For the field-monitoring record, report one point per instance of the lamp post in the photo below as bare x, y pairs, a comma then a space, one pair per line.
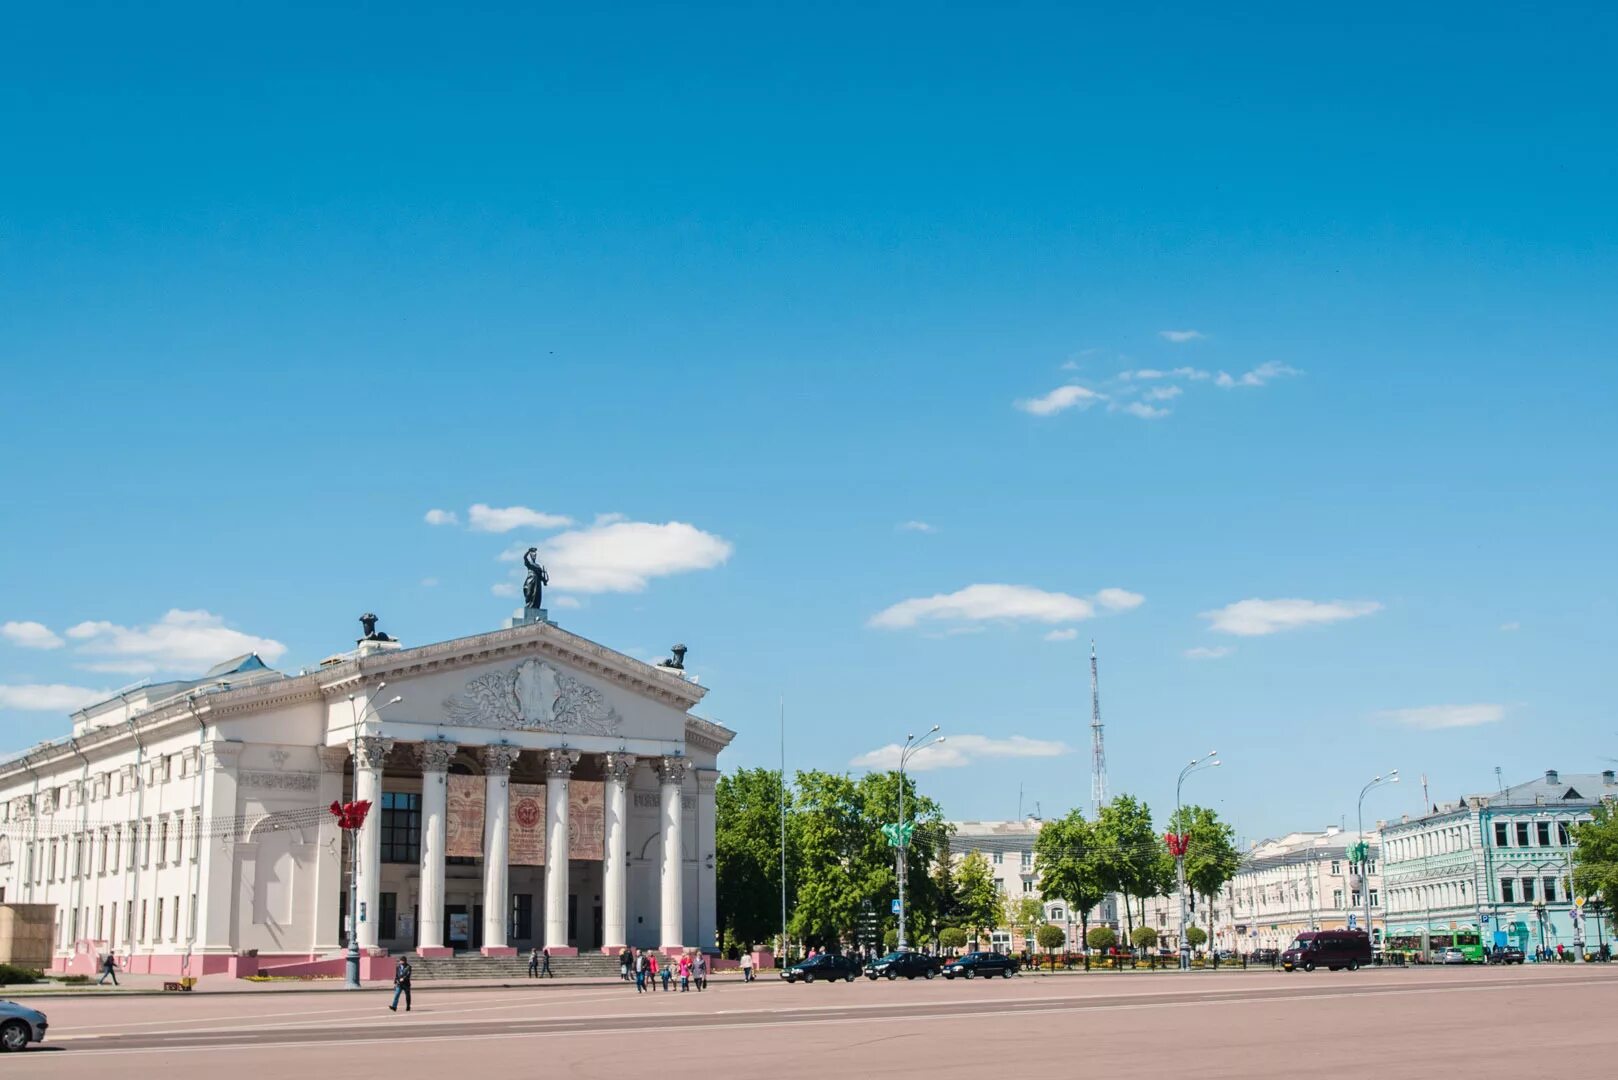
1364, 849
1539, 912
1210, 760
351, 974
911, 745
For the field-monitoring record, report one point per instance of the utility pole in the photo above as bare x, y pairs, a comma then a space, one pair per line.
1098, 749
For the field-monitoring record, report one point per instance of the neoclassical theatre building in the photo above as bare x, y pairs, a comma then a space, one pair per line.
529, 787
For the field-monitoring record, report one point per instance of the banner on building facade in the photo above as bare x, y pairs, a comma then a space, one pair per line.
586, 820
525, 840
463, 818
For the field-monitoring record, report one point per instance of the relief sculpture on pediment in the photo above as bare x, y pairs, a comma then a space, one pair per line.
534, 696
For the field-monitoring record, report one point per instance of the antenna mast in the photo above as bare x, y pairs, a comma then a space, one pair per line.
1098, 750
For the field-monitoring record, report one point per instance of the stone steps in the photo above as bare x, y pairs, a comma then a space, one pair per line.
475, 966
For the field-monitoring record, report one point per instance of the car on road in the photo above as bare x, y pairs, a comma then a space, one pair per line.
902, 965
1507, 954
1330, 949
825, 967
980, 965
20, 1025
1452, 956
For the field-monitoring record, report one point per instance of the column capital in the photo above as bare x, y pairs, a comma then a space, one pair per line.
370, 751
333, 758
671, 770
559, 763
499, 757
435, 756
618, 766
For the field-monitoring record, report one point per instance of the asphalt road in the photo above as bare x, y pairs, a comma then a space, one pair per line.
1480, 1022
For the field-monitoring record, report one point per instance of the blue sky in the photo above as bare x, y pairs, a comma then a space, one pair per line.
275, 284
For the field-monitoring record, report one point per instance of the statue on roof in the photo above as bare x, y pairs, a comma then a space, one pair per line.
533, 588
368, 624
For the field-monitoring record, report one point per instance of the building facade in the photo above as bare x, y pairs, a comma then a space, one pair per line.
1009, 848
1301, 881
1494, 868
528, 787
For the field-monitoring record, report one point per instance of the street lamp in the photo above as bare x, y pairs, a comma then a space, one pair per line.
1365, 850
1210, 760
351, 976
1539, 910
911, 745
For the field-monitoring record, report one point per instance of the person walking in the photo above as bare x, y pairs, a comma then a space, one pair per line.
401, 984
625, 960
747, 967
685, 972
640, 973
109, 969
651, 968
666, 970
533, 962
699, 971
545, 964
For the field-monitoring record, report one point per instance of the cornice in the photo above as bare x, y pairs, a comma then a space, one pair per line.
707, 735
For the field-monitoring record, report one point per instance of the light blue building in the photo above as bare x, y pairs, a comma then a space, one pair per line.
1493, 869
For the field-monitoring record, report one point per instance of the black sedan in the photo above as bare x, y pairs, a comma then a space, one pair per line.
902, 965
825, 967
1506, 954
980, 965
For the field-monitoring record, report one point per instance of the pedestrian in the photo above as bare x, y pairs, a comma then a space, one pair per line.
641, 965
625, 961
401, 984
651, 969
699, 970
533, 962
685, 972
666, 970
545, 964
747, 967
109, 969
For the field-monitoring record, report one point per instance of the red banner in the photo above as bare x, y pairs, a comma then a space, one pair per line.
463, 825
525, 836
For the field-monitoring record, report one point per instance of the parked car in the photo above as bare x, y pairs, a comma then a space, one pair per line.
825, 966
1330, 949
984, 964
1452, 956
1507, 954
906, 965
20, 1025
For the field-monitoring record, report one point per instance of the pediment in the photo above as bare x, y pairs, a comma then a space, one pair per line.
533, 695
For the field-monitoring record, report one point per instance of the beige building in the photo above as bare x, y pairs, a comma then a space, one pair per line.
1009, 848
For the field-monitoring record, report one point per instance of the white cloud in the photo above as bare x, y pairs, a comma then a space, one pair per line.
49, 697
30, 635
978, 603
1062, 635
1438, 717
1270, 369
502, 519
1060, 399
623, 556
917, 526
1180, 337
1148, 374
1205, 652
180, 640
956, 751
564, 602
1143, 410
1163, 393
1508, 627
1255, 618
429, 583
609, 519
441, 517
504, 588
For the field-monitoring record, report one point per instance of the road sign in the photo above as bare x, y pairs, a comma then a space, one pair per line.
1353, 922
896, 905
1487, 919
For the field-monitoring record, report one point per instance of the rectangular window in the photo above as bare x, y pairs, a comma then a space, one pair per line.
1027, 860
193, 919
387, 915
1562, 834
163, 842
1542, 833
101, 923
157, 922
101, 864
1027, 886
1336, 868
75, 924
1374, 901
179, 837
1508, 891
196, 835
1502, 834
174, 923
1355, 901
134, 842
1522, 834
129, 920
401, 827
1337, 898
1549, 885
1528, 890
998, 858
145, 847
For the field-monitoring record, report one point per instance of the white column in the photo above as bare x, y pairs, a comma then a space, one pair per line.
618, 768
558, 769
671, 771
216, 888
434, 758
369, 753
497, 761
704, 919
331, 869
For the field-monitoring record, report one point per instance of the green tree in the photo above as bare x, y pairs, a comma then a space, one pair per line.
1195, 936
1025, 913
747, 857
1050, 937
1595, 856
1211, 858
1128, 852
1102, 937
977, 902
952, 938
1144, 937
1068, 864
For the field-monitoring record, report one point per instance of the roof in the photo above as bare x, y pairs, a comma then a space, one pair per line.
1555, 787
244, 662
